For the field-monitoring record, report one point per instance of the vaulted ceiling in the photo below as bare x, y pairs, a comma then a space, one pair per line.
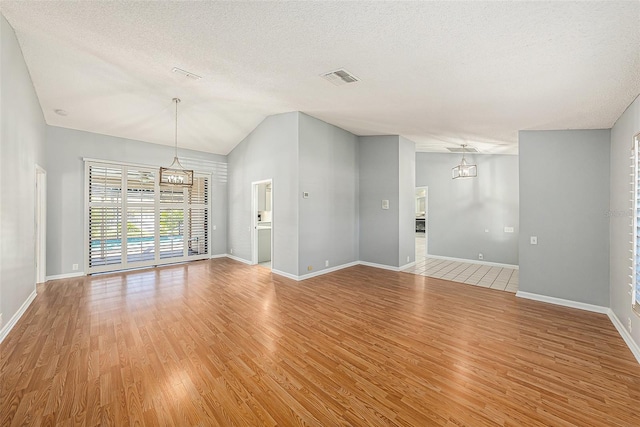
438, 73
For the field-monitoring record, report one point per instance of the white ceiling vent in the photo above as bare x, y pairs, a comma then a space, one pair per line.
186, 73
466, 149
340, 77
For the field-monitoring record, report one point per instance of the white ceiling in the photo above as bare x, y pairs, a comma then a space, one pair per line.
438, 73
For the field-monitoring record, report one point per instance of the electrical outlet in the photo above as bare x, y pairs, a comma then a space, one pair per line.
385, 204
309, 268
214, 228
534, 240
508, 230
480, 256
326, 263
74, 267
629, 324
231, 251
408, 258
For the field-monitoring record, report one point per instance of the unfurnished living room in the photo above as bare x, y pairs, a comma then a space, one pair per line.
320, 213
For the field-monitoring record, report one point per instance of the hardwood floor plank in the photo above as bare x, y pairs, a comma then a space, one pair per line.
222, 343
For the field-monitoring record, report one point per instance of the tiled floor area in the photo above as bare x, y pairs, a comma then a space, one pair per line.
505, 279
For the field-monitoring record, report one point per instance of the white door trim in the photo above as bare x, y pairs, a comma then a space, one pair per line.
254, 219
41, 224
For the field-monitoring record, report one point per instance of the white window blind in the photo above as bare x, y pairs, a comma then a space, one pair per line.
635, 224
133, 221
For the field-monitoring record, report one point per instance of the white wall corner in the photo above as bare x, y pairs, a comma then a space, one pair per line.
287, 275
628, 339
633, 346
11, 323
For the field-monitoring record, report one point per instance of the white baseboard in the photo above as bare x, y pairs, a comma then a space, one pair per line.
219, 256
404, 267
382, 266
563, 302
474, 261
287, 275
327, 270
12, 322
65, 275
628, 339
235, 258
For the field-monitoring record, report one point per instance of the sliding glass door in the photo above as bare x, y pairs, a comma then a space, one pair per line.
132, 221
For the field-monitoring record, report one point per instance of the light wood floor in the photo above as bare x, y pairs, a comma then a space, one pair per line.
221, 343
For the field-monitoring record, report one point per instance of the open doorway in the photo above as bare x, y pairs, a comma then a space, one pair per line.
422, 218
262, 220
41, 224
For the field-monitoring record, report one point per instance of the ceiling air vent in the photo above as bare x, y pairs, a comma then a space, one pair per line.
186, 73
340, 77
466, 150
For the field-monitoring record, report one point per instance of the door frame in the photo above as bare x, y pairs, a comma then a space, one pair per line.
254, 219
426, 215
40, 219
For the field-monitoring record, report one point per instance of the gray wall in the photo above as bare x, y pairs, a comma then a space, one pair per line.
406, 201
460, 210
380, 180
22, 140
65, 193
328, 171
564, 199
620, 217
270, 151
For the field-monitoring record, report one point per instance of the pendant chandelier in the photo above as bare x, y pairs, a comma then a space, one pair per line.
464, 170
176, 174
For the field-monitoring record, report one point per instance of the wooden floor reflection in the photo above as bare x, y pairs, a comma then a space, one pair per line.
222, 343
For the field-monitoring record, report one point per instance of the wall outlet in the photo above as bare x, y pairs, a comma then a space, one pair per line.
231, 251
629, 324
305, 194
480, 256
385, 204
534, 240
508, 230
408, 258
486, 230
214, 227
74, 267
326, 263
309, 268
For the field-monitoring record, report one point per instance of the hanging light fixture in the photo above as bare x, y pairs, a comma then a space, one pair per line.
464, 170
176, 174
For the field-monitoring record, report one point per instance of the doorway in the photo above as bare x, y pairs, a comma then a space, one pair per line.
262, 221
422, 225
41, 224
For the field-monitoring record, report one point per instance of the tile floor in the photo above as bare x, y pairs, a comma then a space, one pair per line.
504, 279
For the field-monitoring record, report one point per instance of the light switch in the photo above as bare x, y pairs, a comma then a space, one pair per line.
508, 229
534, 240
385, 204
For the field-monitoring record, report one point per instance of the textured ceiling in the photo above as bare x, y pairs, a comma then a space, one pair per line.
438, 73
